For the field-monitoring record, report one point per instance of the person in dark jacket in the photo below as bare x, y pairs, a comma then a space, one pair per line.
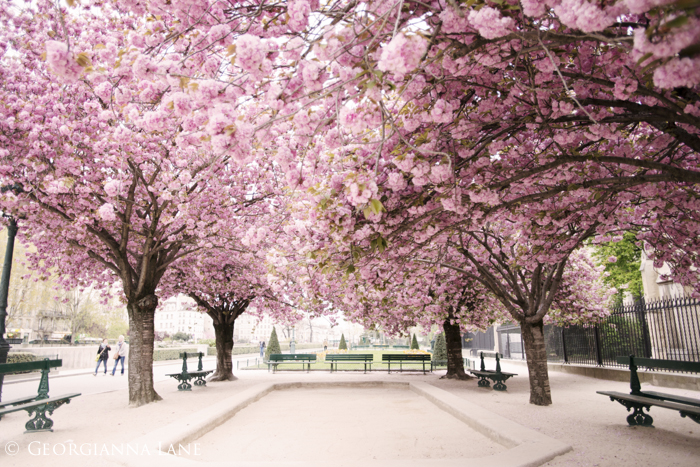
102, 356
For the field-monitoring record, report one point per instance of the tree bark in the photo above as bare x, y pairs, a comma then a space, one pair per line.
453, 339
224, 345
140, 363
536, 354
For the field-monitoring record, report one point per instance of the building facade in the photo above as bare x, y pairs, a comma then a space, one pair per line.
180, 314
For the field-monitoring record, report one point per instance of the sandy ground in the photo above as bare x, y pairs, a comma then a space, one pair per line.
592, 424
338, 423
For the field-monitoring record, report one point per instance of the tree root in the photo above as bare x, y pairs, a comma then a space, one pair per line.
462, 377
217, 377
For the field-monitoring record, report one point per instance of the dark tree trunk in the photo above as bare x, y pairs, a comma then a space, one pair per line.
453, 339
224, 345
536, 354
140, 363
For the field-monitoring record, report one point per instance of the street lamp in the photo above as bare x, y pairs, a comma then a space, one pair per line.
5, 280
292, 344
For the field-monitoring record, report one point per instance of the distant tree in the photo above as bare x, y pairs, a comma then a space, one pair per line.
181, 336
440, 352
621, 259
414, 343
273, 345
342, 345
160, 336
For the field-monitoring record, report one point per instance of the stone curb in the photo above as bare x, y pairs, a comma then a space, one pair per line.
525, 447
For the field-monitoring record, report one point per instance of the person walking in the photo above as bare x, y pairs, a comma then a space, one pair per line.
262, 348
102, 356
120, 354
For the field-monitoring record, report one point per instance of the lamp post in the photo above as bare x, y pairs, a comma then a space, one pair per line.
4, 289
5, 279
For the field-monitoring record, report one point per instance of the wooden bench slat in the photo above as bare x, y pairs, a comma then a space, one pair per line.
21, 400
17, 408
673, 397
489, 372
651, 401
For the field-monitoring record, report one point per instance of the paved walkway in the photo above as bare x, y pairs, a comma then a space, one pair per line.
592, 424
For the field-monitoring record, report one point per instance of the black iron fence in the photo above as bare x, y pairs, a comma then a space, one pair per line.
665, 329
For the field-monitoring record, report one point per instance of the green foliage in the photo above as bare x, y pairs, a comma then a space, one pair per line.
342, 345
169, 354
209, 342
116, 326
624, 274
181, 336
21, 357
440, 352
273, 345
414, 343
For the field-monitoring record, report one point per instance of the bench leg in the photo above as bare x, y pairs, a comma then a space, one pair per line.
40, 421
184, 384
637, 417
483, 382
200, 381
693, 417
500, 386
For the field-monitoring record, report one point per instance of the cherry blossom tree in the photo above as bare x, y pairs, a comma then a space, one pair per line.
109, 194
582, 100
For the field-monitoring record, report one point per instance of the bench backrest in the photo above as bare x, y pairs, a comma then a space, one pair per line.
278, 357
388, 357
45, 364
498, 360
184, 356
367, 357
634, 362
677, 365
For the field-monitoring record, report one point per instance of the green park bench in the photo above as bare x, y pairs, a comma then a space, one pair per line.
498, 377
380, 346
278, 358
638, 400
390, 358
365, 358
401, 346
185, 376
38, 404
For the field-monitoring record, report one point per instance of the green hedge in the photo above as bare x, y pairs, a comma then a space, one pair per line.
21, 357
170, 354
256, 349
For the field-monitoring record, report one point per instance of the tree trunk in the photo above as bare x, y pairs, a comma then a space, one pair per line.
536, 354
453, 339
140, 363
224, 345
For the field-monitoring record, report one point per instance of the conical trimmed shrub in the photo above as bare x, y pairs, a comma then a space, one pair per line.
440, 352
414, 343
342, 345
273, 345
